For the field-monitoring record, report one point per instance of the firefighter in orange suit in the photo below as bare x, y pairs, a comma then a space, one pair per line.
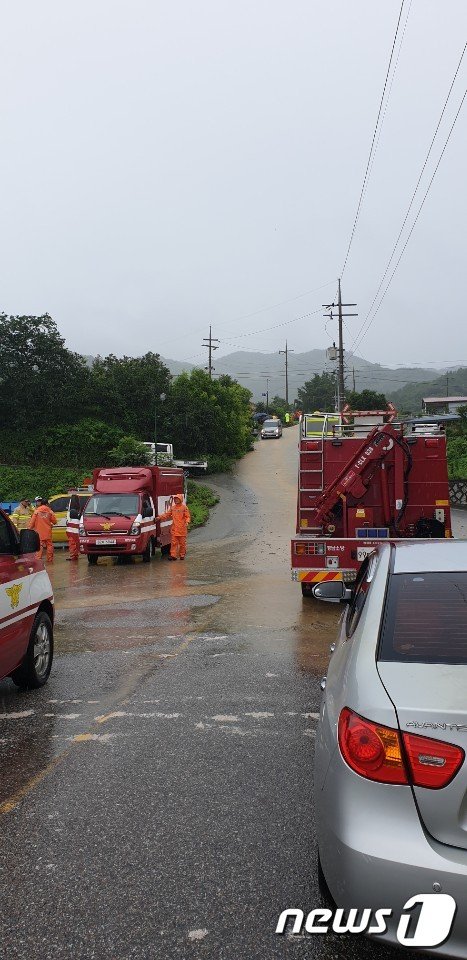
72, 525
180, 516
42, 520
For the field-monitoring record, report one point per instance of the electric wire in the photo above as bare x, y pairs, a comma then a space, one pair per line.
375, 298
363, 334
367, 170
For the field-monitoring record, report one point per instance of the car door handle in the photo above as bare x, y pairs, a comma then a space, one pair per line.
322, 683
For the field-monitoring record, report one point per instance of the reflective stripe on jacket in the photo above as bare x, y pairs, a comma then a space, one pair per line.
180, 516
21, 517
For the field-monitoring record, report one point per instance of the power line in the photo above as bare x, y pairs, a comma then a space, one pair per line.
413, 196
390, 88
366, 176
284, 323
365, 331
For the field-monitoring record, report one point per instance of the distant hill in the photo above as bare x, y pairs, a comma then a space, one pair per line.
252, 369
405, 386
409, 398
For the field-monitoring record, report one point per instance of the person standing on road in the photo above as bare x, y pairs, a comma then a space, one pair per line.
72, 525
42, 520
22, 514
180, 516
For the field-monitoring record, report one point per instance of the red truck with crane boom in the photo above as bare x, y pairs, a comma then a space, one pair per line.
363, 478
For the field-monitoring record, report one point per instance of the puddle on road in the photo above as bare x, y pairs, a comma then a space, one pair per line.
235, 580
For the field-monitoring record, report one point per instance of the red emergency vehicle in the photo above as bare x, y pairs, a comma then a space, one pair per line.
120, 516
363, 478
26, 608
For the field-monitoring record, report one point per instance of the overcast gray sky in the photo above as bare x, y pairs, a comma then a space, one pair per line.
167, 165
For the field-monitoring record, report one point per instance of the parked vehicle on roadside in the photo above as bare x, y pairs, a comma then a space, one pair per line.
120, 516
59, 504
390, 758
26, 608
271, 429
164, 456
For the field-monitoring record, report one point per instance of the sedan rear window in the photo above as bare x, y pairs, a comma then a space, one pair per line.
426, 618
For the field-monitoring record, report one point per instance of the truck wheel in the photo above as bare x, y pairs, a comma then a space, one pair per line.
306, 590
147, 553
37, 664
92, 559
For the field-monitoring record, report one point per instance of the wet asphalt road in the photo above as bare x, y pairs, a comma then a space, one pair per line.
156, 797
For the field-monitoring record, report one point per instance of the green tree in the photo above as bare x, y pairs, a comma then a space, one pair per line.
204, 416
129, 453
41, 381
366, 400
318, 393
125, 389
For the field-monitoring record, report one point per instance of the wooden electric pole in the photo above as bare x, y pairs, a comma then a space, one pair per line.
340, 358
286, 352
209, 343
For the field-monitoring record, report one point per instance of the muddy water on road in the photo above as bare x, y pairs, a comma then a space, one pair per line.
235, 580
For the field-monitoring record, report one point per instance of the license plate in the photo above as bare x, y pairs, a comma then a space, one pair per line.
363, 552
106, 543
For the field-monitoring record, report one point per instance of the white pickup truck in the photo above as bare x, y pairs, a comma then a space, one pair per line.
163, 453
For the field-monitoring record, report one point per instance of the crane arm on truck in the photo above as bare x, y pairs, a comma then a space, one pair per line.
351, 479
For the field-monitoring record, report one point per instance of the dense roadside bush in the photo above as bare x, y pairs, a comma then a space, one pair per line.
16, 482
65, 445
200, 500
457, 458
220, 464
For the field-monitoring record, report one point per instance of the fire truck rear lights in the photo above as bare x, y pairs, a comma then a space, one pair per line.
310, 549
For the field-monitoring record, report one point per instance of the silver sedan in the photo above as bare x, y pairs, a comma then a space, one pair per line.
390, 769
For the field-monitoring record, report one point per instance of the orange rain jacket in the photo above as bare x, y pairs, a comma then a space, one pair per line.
180, 516
42, 520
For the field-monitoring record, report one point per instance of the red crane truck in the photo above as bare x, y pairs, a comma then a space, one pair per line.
363, 481
120, 516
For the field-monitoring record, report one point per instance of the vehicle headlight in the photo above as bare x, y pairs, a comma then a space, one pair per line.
136, 530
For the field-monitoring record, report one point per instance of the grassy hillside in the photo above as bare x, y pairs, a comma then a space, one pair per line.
409, 398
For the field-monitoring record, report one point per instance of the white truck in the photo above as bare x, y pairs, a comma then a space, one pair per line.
163, 454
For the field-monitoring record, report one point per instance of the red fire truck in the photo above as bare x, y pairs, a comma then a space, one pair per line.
120, 515
362, 478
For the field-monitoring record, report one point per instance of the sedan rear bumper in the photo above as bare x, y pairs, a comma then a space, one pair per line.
376, 854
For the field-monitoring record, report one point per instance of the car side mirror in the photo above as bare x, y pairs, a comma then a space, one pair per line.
333, 591
29, 541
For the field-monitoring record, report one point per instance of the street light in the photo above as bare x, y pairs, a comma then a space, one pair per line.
162, 397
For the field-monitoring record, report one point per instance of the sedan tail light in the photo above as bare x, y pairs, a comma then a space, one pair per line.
432, 763
379, 753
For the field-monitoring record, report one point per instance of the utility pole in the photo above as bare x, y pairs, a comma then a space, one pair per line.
340, 358
286, 352
353, 378
447, 383
266, 394
209, 343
